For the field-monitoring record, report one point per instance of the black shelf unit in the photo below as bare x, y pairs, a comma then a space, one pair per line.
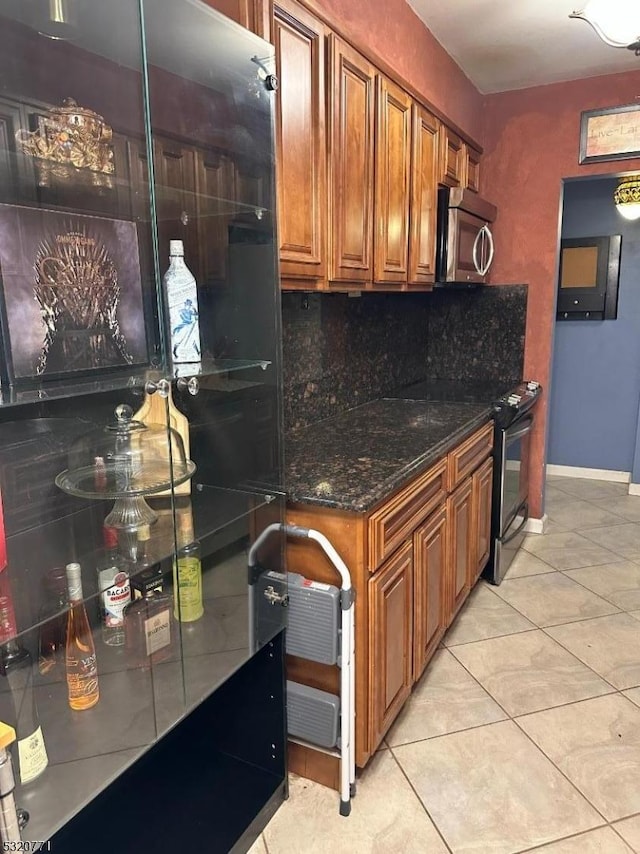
211, 784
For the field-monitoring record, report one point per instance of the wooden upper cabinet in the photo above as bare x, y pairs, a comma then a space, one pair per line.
392, 183
300, 43
472, 169
424, 197
390, 640
429, 590
252, 14
351, 163
452, 158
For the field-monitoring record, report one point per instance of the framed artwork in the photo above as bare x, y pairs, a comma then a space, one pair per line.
588, 278
72, 300
610, 134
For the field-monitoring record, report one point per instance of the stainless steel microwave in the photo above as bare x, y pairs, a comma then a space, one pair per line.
465, 247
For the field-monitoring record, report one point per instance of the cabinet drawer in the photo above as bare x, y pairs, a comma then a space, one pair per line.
396, 520
469, 455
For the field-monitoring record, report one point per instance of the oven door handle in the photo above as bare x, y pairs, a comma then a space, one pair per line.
522, 431
515, 533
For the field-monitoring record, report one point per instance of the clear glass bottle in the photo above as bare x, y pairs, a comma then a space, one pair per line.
114, 589
187, 569
182, 301
150, 632
53, 624
17, 699
80, 657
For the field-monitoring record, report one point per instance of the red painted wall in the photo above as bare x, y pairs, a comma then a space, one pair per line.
531, 140
392, 30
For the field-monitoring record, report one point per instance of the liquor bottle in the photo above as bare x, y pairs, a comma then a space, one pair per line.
80, 658
17, 699
182, 302
53, 624
113, 588
150, 633
187, 569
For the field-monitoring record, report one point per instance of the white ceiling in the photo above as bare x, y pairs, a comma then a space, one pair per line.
512, 44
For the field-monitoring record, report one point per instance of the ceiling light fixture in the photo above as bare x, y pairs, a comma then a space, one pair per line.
617, 22
627, 197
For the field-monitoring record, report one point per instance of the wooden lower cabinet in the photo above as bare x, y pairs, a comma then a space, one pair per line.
413, 559
482, 496
461, 555
429, 590
390, 640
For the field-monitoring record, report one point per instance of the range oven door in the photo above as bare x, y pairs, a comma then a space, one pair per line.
514, 487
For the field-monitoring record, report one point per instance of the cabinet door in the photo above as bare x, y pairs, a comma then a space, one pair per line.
482, 496
472, 171
215, 186
11, 160
429, 579
424, 197
300, 43
351, 139
461, 551
390, 633
175, 176
452, 158
392, 183
248, 13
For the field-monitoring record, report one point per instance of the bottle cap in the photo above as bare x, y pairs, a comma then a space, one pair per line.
184, 524
176, 247
110, 537
74, 581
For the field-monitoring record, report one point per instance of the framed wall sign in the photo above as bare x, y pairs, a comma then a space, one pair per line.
610, 134
72, 299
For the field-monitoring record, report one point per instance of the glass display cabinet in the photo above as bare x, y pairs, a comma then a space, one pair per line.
139, 661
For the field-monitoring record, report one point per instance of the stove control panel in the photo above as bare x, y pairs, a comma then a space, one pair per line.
516, 402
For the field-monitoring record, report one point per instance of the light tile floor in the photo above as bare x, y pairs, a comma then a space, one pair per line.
524, 732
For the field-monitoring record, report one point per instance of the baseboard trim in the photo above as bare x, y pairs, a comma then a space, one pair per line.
589, 474
536, 526
634, 489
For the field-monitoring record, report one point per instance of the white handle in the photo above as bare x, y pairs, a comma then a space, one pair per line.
486, 230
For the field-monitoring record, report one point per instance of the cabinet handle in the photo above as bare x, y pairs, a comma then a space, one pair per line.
489, 261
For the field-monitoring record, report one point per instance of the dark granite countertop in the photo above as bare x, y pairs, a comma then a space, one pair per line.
357, 459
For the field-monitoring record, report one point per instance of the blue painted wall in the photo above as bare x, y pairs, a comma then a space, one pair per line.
595, 392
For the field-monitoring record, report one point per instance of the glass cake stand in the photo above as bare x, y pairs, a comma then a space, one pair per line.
126, 461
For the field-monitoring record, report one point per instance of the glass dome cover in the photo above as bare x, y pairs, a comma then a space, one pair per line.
124, 459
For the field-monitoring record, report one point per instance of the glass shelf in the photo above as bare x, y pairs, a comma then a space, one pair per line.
221, 516
88, 749
169, 200
132, 379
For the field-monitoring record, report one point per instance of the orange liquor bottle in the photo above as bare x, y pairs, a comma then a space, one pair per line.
82, 668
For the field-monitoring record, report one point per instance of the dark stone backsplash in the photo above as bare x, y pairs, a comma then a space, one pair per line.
477, 334
340, 351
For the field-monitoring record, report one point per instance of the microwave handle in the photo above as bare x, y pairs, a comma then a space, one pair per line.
487, 265
474, 254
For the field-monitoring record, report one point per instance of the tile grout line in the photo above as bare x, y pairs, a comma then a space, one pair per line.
584, 663
562, 773
420, 801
